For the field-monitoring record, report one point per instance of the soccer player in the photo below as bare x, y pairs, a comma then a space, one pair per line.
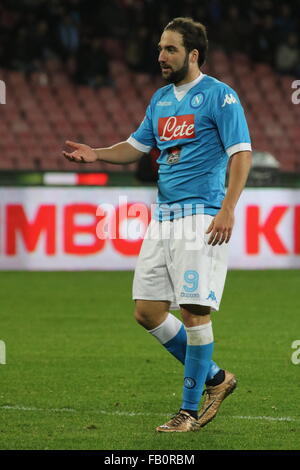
197, 123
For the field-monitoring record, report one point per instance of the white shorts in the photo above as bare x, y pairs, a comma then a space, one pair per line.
176, 264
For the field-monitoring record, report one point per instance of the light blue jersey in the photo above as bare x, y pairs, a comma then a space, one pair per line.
196, 132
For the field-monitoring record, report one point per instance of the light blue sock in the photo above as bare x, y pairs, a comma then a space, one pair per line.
177, 345
197, 363
212, 371
172, 335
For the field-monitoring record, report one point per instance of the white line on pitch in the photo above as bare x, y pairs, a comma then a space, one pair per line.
267, 418
132, 413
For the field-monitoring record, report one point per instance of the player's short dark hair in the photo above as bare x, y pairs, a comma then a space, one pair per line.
194, 35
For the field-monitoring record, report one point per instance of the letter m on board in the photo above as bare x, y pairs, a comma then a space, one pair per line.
30, 231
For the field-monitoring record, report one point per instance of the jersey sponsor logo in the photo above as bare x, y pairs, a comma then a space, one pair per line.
197, 100
173, 155
177, 127
229, 99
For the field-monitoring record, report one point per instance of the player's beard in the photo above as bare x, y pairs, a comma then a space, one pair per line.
177, 76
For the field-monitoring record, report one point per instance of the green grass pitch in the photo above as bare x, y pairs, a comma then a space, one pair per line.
81, 374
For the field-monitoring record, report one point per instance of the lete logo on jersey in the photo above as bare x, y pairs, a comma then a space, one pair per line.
177, 127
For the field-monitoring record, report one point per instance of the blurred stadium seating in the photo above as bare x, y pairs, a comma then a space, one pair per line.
45, 110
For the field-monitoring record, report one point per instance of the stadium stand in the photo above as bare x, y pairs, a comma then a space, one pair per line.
46, 106
39, 115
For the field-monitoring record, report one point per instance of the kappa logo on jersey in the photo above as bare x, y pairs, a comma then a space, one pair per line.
177, 127
229, 99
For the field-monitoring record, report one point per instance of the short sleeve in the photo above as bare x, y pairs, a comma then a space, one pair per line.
230, 119
143, 138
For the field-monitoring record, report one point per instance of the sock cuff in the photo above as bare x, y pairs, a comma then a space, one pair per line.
167, 329
200, 335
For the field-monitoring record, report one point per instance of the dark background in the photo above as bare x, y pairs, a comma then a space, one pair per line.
85, 70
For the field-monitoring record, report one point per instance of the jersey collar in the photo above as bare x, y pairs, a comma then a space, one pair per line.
182, 90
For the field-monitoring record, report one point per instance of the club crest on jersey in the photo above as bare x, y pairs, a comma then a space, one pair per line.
173, 155
197, 100
177, 127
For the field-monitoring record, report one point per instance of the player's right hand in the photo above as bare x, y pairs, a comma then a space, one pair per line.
82, 153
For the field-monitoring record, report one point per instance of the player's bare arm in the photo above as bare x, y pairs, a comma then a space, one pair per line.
120, 153
222, 225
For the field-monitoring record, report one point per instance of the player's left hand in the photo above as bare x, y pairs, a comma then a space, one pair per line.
221, 227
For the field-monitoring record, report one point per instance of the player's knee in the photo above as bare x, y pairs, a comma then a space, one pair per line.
149, 316
140, 316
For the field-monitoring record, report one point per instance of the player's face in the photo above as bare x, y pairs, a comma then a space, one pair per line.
173, 57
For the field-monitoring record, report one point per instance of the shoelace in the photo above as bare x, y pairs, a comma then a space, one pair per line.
179, 418
208, 392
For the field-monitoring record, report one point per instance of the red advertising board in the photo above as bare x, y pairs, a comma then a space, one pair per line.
103, 228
